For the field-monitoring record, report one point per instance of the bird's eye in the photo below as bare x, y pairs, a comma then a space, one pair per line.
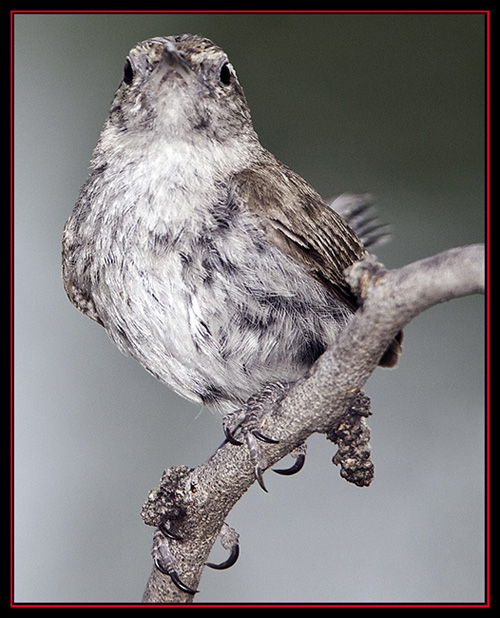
225, 74
128, 72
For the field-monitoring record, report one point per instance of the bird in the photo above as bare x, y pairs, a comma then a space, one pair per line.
205, 258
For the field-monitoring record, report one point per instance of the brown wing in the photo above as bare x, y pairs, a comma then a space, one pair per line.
296, 220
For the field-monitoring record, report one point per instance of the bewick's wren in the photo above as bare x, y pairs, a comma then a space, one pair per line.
206, 259
214, 265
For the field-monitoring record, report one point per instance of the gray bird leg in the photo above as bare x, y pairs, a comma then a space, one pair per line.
244, 426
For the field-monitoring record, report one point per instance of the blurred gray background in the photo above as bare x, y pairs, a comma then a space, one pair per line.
390, 104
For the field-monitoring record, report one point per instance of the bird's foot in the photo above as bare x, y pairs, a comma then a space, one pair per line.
164, 560
247, 426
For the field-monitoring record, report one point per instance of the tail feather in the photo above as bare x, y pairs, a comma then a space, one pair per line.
358, 211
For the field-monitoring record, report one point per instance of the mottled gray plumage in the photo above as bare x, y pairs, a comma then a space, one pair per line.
206, 259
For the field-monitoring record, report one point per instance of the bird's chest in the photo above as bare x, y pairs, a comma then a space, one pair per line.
184, 281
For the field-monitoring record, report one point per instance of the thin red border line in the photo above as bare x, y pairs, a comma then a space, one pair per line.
488, 177
486, 13
254, 12
487, 535
12, 308
267, 605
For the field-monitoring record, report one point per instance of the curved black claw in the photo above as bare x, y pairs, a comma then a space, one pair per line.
233, 556
164, 562
260, 480
263, 438
255, 456
177, 581
229, 540
230, 437
174, 576
299, 452
168, 533
296, 467
257, 468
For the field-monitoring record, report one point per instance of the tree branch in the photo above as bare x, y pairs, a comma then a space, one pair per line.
327, 400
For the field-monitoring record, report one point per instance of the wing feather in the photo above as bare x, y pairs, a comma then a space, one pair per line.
295, 218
